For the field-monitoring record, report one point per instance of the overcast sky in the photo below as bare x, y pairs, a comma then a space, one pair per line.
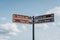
18, 31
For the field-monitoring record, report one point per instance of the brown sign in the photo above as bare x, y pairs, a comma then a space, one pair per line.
22, 19
21, 16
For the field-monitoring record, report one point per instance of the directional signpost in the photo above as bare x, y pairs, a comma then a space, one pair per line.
33, 20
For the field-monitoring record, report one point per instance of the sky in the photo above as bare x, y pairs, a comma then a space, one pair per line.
19, 31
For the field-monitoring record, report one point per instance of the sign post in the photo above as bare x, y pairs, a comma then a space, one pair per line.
33, 20
33, 32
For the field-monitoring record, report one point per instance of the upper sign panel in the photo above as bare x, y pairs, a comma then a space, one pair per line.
21, 16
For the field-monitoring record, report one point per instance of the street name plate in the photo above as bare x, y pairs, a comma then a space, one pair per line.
44, 18
22, 19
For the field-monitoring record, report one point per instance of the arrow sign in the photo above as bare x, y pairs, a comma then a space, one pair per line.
44, 18
22, 19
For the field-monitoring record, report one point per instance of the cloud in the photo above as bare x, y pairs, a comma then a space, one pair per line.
41, 26
4, 37
55, 10
24, 27
7, 30
11, 27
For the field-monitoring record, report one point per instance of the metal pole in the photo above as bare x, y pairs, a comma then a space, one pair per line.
33, 29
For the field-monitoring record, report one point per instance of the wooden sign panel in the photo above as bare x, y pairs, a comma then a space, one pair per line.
22, 19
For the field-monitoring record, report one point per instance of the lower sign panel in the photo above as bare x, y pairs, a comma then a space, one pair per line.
44, 21
21, 21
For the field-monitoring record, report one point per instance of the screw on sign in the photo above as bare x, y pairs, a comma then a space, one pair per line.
22, 19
